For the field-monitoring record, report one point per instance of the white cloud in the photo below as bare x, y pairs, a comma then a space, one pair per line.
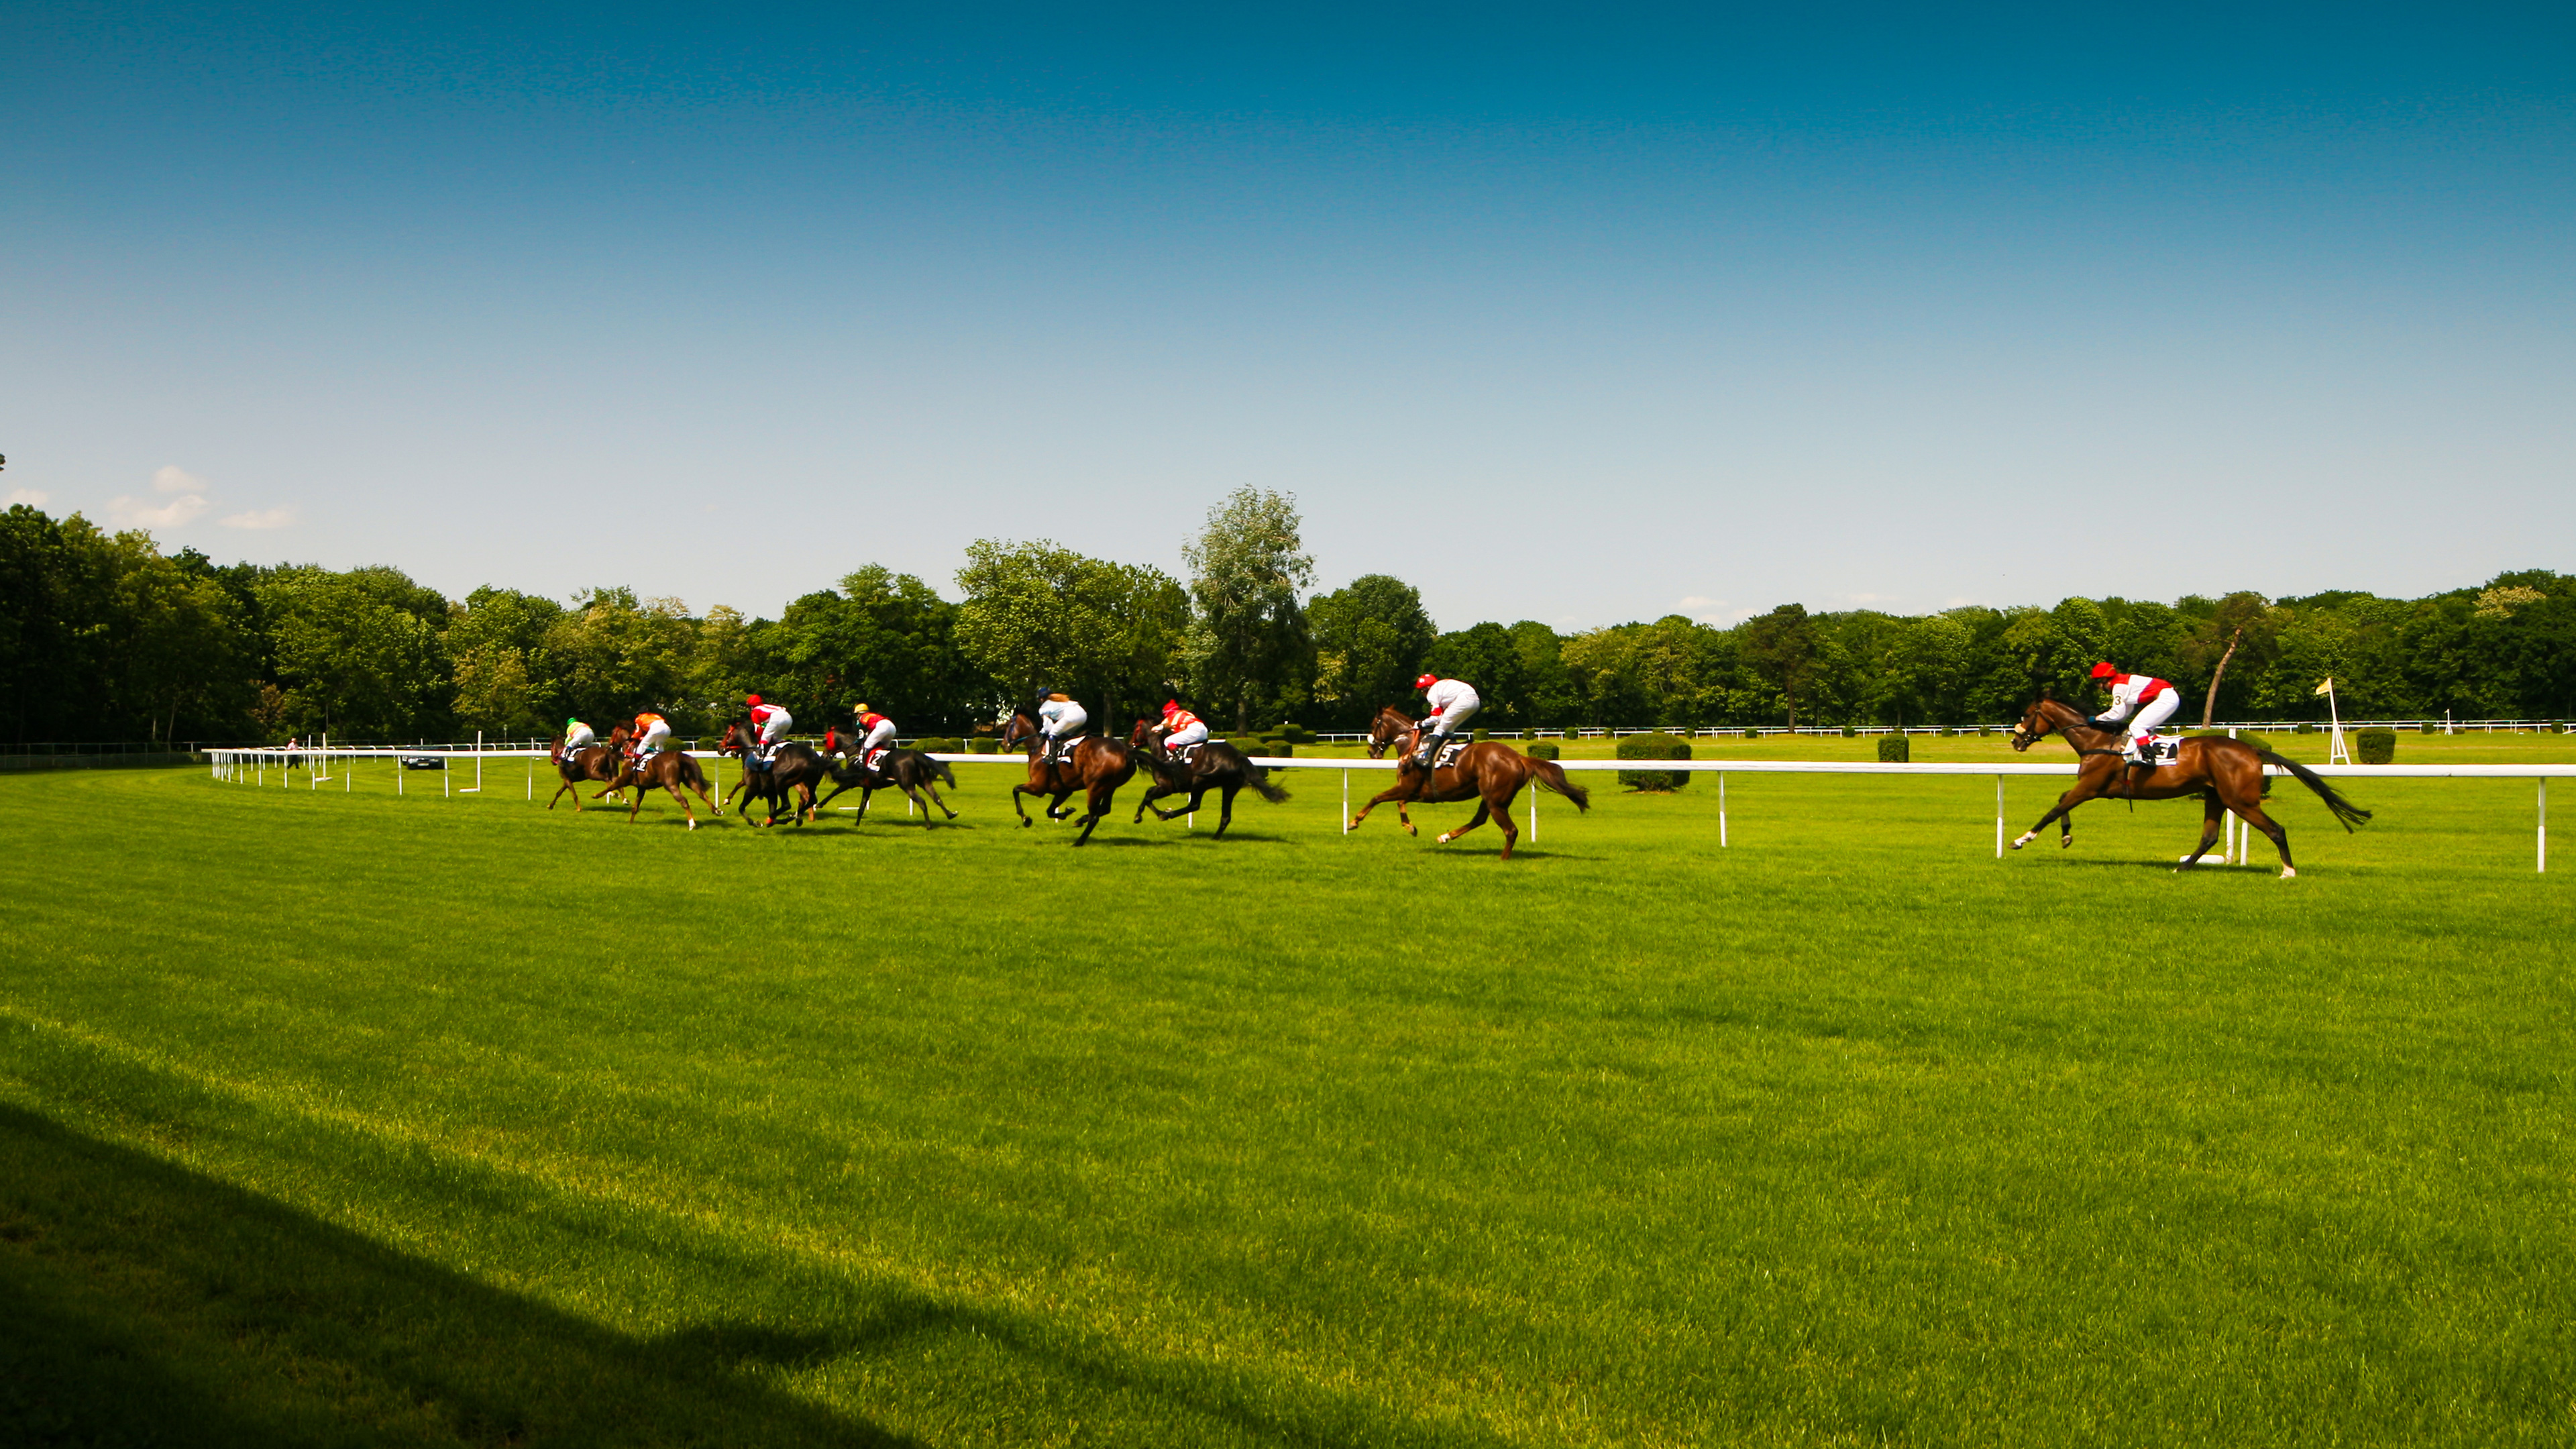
135, 513
32, 497
259, 518
1696, 602
171, 478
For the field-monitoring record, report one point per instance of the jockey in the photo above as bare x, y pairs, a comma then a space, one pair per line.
1453, 703
2153, 700
577, 736
1181, 729
1061, 719
879, 732
770, 724
650, 731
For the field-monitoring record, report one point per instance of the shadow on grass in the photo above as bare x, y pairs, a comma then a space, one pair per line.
144, 1303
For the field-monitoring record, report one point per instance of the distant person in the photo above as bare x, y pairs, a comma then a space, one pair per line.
1181, 729
876, 735
2151, 700
651, 733
770, 725
1061, 719
577, 737
1453, 702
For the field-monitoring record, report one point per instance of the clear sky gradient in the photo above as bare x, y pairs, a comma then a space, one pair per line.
1579, 313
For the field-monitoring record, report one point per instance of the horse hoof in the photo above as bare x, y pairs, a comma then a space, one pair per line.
2287, 873
2066, 842
1442, 840
693, 825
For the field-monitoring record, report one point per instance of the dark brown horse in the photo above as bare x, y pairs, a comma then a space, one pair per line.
910, 771
662, 770
1490, 774
792, 777
590, 763
1097, 767
1214, 765
2226, 774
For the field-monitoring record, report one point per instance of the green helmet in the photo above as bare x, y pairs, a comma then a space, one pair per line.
571, 721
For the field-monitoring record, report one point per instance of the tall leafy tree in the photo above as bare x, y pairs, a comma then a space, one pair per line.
1249, 643
1041, 614
1783, 647
1371, 637
359, 654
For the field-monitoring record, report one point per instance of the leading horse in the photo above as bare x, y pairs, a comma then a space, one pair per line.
1096, 766
2226, 774
1490, 774
1214, 765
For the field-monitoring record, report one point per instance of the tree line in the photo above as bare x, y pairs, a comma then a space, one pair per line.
103, 636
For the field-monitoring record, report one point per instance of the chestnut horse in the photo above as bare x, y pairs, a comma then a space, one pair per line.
910, 771
1490, 774
1391, 724
1214, 765
793, 774
1097, 767
589, 763
2226, 774
663, 770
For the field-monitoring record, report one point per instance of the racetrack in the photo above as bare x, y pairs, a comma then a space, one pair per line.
341, 1118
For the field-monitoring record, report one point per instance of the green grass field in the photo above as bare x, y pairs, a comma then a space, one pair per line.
336, 1118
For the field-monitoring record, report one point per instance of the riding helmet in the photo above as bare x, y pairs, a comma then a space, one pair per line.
2104, 670
1426, 681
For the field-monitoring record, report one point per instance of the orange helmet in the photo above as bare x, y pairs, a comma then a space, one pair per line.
1426, 681
2104, 670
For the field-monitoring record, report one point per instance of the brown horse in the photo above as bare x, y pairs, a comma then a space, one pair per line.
1490, 774
1097, 767
663, 770
910, 771
590, 763
1391, 724
1214, 765
793, 775
2226, 774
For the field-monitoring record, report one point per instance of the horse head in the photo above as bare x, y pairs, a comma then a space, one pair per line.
1022, 726
2044, 715
733, 741
1389, 726
1136, 736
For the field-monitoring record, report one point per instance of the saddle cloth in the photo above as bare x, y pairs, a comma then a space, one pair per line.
1450, 751
876, 758
2161, 750
1187, 753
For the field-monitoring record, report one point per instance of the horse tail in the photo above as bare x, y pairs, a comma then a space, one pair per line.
2344, 810
1258, 777
1552, 775
940, 768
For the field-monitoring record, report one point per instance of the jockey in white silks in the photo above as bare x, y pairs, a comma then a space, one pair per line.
2142, 700
772, 723
577, 737
651, 731
1181, 729
1061, 720
1453, 703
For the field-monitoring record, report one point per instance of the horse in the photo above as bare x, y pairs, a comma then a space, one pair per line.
588, 764
1490, 774
1097, 767
793, 772
663, 770
1215, 765
2226, 774
907, 770
1391, 724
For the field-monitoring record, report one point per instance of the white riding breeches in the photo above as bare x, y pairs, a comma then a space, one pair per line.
1448, 721
580, 739
654, 738
881, 735
1182, 739
2153, 713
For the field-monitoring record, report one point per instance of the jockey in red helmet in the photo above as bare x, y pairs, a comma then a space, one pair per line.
1453, 702
770, 724
2150, 700
1181, 729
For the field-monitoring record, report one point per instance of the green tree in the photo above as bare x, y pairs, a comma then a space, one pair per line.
505, 685
1783, 648
359, 654
617, 655
1370, 636
1041, 614
1248, 635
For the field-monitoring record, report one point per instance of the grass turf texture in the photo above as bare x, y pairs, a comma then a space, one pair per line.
335, 1118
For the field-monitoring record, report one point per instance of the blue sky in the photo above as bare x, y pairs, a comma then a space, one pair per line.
1573, 314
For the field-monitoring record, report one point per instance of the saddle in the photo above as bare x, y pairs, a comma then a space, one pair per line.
2161, 750
1449, 751
875, 759
1186, 753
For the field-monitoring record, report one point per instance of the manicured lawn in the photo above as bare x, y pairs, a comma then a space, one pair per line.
340, 1118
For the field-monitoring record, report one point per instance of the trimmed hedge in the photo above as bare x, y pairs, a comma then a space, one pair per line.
934, 745
1849, 732
1481, 736
2375, 747
983, 745
1654, 747
1895, 750
1542, 750
2430, 728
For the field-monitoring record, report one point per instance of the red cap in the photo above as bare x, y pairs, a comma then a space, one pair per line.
2104, 670
1171, 707
751, 699
1426, 681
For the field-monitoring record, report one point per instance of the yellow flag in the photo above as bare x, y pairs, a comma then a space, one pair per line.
2327, 687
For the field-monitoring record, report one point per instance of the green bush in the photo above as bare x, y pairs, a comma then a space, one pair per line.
1569, 734
983, 745
1895, 750
2375, 747
1850, 732
2303, 728
1480, 736
2430, 728
1946, 732
1753, 734
934, 745
1654, 747
1542, 751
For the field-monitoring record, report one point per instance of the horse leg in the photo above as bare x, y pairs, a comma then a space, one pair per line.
2280, 838
1483, 809
2058, 813
674, 788
559, 794
1224, 809
2211, 813
1152, 793
1397, 793
936, 800
1095, 802
1017, 808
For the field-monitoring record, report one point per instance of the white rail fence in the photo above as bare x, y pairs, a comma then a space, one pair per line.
251, 766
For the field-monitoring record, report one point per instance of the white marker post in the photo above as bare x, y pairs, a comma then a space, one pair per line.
1999, 817
1721, 809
